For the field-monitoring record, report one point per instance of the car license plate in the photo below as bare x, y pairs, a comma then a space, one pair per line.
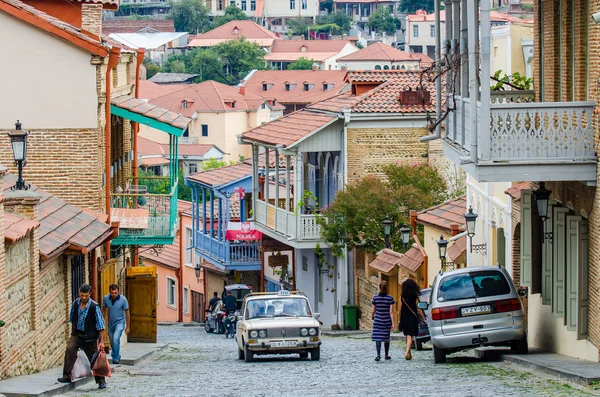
475, 310
285, 343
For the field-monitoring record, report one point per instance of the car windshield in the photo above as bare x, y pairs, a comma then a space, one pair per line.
277, 307
478, 284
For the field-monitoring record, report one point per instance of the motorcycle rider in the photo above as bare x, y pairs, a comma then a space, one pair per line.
230, 304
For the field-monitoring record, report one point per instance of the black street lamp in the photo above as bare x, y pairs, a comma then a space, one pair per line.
18, 140
442, 246
471, 221
197, 270
387, 230
405, 231
542, 197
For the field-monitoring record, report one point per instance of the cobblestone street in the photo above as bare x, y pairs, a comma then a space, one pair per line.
201, 364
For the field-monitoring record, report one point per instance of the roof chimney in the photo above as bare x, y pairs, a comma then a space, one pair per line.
91, 19
315, 66
454, 229
243, 90
344, 68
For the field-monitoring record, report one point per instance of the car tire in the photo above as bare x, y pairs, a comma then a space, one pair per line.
419, 344
248, 355
315, 354
303, 354
519, 346
241, 354
439, 355
207, 327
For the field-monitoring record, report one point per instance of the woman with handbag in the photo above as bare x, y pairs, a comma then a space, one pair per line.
381, 314
409, 319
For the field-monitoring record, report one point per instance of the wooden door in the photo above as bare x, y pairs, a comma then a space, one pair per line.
197, 307
77, 277
107, 277
141, 293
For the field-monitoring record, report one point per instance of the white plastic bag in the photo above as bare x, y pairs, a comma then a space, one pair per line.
81, 369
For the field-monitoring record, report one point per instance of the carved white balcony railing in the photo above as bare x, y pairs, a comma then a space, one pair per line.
524, 131
302, 227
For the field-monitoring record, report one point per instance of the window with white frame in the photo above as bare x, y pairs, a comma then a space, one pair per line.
252, 5
186, 302
243, 5
304, 4
432, 30
170, 292
415, 30
193, 168
292, 4
189, 241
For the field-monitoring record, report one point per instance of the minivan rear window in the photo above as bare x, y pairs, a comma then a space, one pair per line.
477, 284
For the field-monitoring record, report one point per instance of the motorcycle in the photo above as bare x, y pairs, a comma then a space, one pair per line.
230, 322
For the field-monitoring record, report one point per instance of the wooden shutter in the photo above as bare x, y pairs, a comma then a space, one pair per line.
577, 286
547, 250
526, 237
559, 260
501, 248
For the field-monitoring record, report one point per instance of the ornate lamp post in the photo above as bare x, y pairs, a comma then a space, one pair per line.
18, 140
442, 245
542, 200
470, 219
387, 230
405, 232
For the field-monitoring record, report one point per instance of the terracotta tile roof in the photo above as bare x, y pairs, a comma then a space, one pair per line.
423, 58
208, 96
184, 206
311, 46
412, 259
249, 30
17, 227
191, 149
153, 161
148, 147
150, 90
169, 256
152, 111
290, 128
63, 225
279, 78
443, 215
386, 261
98, 215
222, 176
128, 26
54, 26
381, 76
377, 52
337, 103
515, 190
385, 97
173, 78
261, 160
457, 248
294, 56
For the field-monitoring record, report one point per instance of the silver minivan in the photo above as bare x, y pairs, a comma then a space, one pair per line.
474, 306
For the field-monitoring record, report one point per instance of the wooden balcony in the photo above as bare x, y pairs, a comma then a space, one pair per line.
525, 140
296, 227
227, 254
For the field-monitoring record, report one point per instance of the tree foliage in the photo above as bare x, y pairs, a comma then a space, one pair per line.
411, 6
334, 23
151, 68
190, 16
355, 216
240, 57
212, 164
382, 20
232, 13
514, 81
301, 64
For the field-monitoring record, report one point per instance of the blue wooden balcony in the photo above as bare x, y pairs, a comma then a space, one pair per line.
227, 254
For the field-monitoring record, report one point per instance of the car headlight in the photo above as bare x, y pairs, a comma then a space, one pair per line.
312, 331
303, 332
254, 334
262, 333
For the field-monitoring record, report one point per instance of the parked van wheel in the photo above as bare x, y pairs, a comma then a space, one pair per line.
519, 346
439, 355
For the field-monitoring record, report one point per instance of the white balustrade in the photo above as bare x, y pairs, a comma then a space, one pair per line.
309, 228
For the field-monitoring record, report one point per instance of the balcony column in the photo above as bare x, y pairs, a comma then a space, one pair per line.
212, 219
287, 183
194, 215
464, 55
449, 47
276, 184
438, 59
298, 190
266, 192
483, 140
473, 23
226, 224
255, 182
203, 211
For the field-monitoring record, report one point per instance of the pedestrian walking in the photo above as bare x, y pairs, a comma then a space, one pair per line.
213, 301
116, 308
87, 333
382, 316
409, 319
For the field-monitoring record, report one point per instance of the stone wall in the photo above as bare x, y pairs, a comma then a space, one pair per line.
214, 283
366, 292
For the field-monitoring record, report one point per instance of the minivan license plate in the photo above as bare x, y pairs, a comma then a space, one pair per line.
472, 311
285, 343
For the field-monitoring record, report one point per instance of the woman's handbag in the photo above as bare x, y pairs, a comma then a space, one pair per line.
422, 323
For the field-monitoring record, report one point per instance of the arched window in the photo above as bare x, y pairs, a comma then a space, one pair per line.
386, 67
377, 67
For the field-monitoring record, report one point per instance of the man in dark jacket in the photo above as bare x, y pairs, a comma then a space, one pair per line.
230, 302
87, 333
213, 301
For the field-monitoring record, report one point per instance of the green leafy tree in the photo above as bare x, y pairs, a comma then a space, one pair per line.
339, 18
327, 5
190, 16
240, 57
382, 20
208, 64
297, 26
232, 13
151, 68
301, 64
183, 192
355, 216
212, 164
412, 6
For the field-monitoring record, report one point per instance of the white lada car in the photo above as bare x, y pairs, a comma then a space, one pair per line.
277, 323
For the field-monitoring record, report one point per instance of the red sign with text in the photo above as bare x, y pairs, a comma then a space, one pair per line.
242, 231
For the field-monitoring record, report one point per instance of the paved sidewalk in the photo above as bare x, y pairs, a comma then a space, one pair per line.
564, 367
45, 384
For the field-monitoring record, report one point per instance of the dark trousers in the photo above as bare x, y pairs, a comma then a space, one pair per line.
77, 342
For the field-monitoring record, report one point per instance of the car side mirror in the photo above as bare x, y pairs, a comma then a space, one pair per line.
423, 305
316, 315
